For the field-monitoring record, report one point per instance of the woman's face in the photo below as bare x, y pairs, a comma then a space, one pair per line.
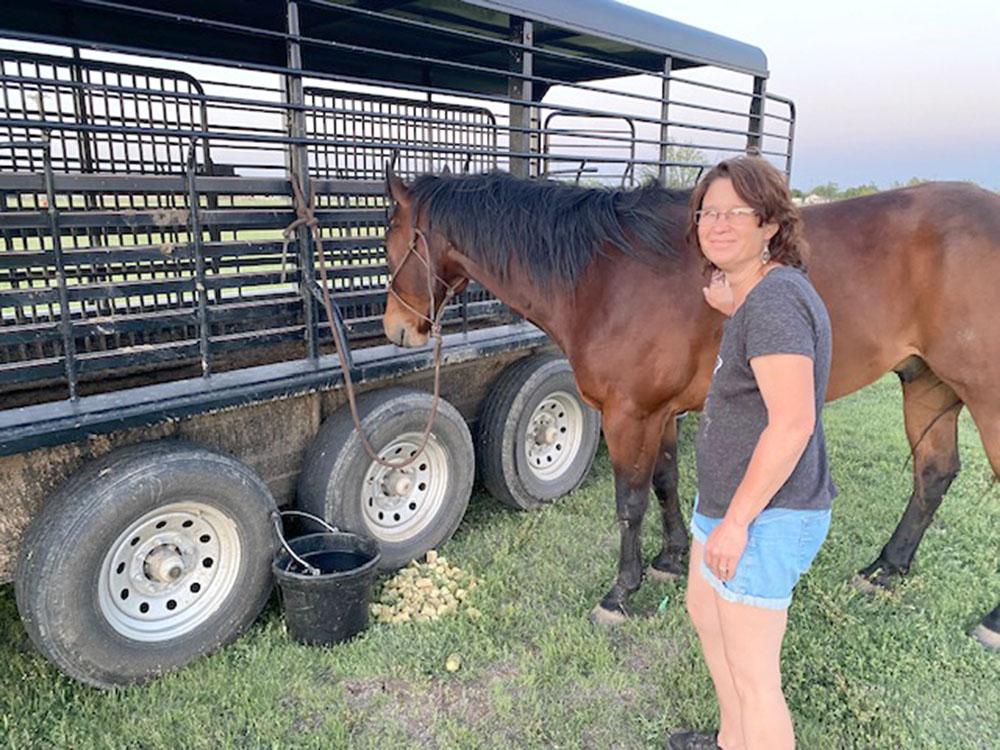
731, 239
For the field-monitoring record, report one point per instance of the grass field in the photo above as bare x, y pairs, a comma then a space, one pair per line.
893, 670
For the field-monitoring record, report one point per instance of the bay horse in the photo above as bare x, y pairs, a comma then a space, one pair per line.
909, 277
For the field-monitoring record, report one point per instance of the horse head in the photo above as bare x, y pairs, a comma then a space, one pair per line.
423, 276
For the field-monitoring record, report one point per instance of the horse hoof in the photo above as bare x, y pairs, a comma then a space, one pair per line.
989, 638
661, 576
877, 577
864, 585
606, 617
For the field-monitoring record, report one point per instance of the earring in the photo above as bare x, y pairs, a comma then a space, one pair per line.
765, 256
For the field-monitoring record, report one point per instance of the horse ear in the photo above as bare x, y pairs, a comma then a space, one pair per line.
446, 170
395, 186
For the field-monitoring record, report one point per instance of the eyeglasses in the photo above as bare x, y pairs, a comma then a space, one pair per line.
740, 215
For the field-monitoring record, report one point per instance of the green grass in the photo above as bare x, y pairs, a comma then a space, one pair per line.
893, 670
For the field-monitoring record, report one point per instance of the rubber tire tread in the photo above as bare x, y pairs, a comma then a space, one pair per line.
497, 469
74, 508
337, 452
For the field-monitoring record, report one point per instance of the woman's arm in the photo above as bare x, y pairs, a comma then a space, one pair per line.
787, 387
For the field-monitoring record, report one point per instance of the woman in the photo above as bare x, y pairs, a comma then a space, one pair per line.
764, 489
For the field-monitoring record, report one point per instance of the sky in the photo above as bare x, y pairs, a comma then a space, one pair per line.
885, 90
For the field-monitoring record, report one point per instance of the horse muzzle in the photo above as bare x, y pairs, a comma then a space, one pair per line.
402, 334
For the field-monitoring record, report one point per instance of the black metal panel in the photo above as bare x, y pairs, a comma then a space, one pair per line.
33, 427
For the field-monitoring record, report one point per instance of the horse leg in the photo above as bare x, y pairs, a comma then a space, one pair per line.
669, 565
985, 411
633, 441
988, 631
930, 410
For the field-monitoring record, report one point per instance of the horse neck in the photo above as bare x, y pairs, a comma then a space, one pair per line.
519, 291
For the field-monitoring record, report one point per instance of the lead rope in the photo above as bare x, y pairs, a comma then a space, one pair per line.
306, 216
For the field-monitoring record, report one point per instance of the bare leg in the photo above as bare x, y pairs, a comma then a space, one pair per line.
752, 637
704, 612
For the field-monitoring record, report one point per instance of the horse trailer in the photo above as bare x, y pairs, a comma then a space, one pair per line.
167, 371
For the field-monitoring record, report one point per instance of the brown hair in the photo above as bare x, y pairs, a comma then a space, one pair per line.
764, 189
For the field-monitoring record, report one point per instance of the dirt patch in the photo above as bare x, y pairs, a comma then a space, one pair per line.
361, 695
309, 723
647, 655
416, 708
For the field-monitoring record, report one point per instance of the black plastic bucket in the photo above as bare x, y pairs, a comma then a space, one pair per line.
326, 600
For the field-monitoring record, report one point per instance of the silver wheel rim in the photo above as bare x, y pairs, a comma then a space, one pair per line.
169, 571
554, 436
398, 504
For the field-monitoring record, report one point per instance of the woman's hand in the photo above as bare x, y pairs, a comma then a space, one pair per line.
724, 548
718, 293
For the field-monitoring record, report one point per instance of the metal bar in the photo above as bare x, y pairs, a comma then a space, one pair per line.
86, 159
791, 140
725, 131
65, 321
263, 251
246, 105
32, 371
716, 110
29, 334
298, 164
199, 260
369, 81
259, 135
128, 289
519, 88
269, 309
51, 424
548, 148
132, 184
334, 143
756, 125
317, 292
668, 64
715, 87
791, 127
20, 298
244, 218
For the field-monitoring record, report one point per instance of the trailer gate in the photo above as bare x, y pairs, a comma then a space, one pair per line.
143, 189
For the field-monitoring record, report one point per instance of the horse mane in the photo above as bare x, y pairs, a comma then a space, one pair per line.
553, 229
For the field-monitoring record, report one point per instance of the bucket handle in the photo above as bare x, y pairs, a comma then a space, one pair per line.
276, 517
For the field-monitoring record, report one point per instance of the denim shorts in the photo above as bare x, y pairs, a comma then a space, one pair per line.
781, 545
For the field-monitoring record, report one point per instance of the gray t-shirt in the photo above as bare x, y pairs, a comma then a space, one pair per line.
783, 314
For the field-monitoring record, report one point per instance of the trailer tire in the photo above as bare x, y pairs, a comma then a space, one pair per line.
148, 558
407, 513
535, 399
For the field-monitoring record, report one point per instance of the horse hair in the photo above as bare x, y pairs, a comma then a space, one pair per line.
553, 229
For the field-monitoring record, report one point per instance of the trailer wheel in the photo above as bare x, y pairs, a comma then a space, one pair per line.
150, 557
536, 438
410, 510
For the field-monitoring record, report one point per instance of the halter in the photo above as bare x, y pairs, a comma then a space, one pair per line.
435, 315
